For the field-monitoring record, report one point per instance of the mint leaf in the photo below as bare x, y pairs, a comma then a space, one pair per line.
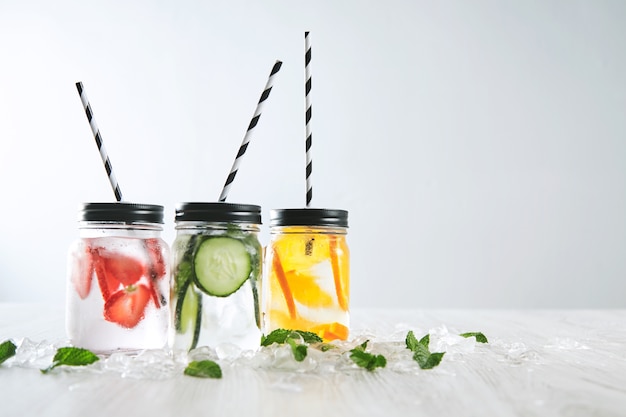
309, 337
326, 347
7, 350
299, 351
428, 361
280, 336
362, 346
203, 369
480, 338
367, 360
421, 353
71, 356
277, 336
411, 341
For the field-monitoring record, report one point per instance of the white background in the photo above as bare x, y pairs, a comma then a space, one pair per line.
479, 146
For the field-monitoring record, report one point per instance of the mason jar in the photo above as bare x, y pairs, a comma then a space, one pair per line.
216, 267
306, 285
118, 279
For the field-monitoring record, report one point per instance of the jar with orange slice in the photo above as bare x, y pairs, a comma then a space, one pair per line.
306, 285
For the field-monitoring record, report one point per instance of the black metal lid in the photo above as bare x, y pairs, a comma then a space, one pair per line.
121, 212
309, 217
219, 212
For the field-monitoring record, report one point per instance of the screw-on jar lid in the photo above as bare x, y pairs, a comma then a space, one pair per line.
218, 212
121, 212
309, 217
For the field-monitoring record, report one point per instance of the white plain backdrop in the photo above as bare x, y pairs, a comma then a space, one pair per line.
479, 146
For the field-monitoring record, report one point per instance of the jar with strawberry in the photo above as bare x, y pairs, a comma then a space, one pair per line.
118, 279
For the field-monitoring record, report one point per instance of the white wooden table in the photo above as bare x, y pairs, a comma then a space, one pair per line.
538, 363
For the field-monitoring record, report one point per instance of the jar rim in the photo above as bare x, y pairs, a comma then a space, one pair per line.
220, 212
309, 217
121, 212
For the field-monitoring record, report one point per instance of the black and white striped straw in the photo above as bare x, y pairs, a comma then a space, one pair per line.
251, 126
309, 135
96, 134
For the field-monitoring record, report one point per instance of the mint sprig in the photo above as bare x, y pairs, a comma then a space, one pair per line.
365, 359
280, 336
299, 351
71, 356
480, 338
421, 353
203, 369
7, 350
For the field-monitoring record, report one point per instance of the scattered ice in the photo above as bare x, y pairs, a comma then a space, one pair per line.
518, 353
31, 354
322, 358
283, 360
153, 364
199, 354
228, 351
441, 340
565, 344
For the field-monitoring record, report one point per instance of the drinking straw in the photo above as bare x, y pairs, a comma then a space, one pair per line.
100, 273
96, 134
251, 126
309, 136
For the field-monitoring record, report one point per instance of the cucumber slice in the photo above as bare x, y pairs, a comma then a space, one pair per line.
221, 265
189, 313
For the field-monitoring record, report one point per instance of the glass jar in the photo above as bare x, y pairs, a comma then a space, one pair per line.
307, 280
118, 279
216, 266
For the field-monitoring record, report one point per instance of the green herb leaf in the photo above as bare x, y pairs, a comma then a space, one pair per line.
7, 350
421, 353
277, 336
280, 336
325, 347
71, 356
309, 337
299, 351
367, 360
428, 361
362, 346
480, 338
203, 369
411, 341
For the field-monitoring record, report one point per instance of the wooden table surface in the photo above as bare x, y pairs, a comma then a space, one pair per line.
537, 363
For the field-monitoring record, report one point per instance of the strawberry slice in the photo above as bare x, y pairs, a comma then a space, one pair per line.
157, 263
115, 270
127, 306
157, 267
106, 287
82, 270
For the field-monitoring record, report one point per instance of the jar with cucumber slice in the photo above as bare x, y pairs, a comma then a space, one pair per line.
216, 268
